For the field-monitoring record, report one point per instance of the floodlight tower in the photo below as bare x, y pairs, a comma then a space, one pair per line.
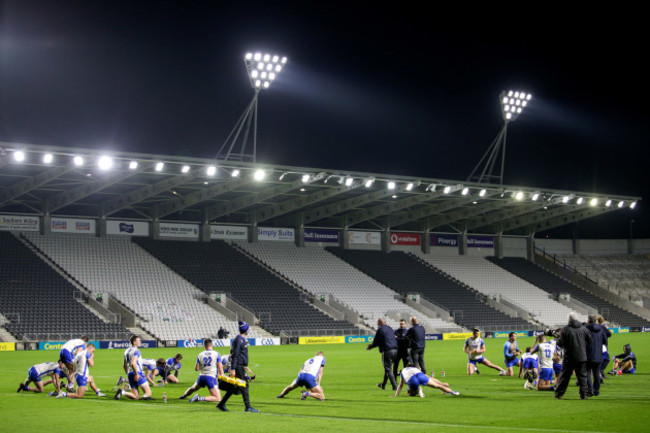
512, 105
262, 69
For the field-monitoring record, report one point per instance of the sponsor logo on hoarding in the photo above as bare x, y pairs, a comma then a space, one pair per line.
190, 343
504, 334
457, 336
145, 344
267, 341
50, 345
645, 329
359, 339
474, 241
7, 347
126, 228
274, 234
59, 225
405, 239
443, 240
315, 235
321, 340
433, 336
82, 226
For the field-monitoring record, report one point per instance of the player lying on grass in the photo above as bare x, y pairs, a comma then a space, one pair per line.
414, 378
209, 364
309, 376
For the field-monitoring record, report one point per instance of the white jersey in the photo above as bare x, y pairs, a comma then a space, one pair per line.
546, 351
149, 364
73, 345
409, 372
129, 355
46, 368
525, 356
557, 349
81, 364
474, 344
312, 366
208, 360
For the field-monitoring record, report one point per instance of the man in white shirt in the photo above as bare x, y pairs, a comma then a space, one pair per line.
208, 363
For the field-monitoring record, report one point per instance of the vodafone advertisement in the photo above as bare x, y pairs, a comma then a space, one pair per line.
405, 238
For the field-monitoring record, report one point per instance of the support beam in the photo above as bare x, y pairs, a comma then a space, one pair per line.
344, 205
70, 196
388, 208
502, 214
27, 185
118, 203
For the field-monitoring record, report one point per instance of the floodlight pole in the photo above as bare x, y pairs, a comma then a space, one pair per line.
226, 152
489, 159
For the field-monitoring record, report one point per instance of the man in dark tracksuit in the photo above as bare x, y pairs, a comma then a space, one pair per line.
574, 339
402, 347
238, 362
599, 337
385, 340
417, 337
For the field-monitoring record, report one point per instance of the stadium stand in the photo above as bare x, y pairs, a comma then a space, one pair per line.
170, 307
625, 275
406, 275
40, 303
490, 279
556, 285
217, 267
319, 272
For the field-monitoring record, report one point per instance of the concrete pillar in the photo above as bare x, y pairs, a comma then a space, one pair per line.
462, 243
530, 247
498, 245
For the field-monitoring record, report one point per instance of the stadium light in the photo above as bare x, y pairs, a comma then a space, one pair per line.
512, 103
632, 205
19, 156
608, 203
259, 174
133, 165
159, 166
48, 158
580, 200
185, 169
593, 202
465, 191
482, 193
105, 163
78, 161
368, 183
621, 204
349, 181
211, 170
305, 178
535, 196
262, 69
235, 173
409, 186
390, 185
519, 195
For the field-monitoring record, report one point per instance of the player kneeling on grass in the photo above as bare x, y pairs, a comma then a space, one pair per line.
209, 364
133, 370
414, 378
81, 376
546, 351
309, 376
475, 348
39, 371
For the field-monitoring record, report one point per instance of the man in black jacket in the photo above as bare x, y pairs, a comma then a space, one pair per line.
238, 363
402, 347
385, 340
574, 339
417, 337
599, 337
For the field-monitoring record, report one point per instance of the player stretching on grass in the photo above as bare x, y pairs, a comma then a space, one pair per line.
309, 376
475, 347
39, 371
414, 378
209, 364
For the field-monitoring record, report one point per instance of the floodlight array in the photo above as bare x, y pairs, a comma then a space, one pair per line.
513, 103
263, 68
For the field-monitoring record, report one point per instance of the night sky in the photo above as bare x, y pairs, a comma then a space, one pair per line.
407, 90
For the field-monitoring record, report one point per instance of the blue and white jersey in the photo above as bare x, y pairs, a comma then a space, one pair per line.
175, 366
474, 344
557, 350
72, 345
409, 372
312, 366
546, 351
225, 361
129, 355
45, 369
81, 364
529, 360
149, 364
208, 360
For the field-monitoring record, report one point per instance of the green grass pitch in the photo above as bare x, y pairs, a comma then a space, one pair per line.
488, 403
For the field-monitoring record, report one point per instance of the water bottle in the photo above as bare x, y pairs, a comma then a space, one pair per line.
443, 372
433, 374
164, 397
